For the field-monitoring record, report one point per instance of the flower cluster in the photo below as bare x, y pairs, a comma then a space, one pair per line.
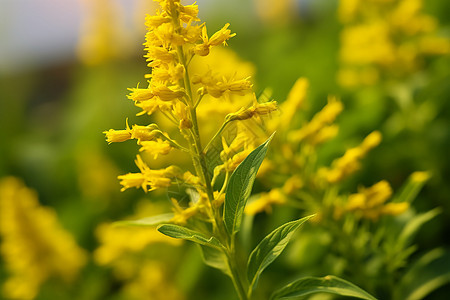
34, 245
385, 38
303, 180
176, 91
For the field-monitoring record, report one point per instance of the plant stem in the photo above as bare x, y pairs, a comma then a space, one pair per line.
199, 160
236, 276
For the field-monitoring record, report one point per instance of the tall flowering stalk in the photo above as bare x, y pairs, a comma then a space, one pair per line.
220, 187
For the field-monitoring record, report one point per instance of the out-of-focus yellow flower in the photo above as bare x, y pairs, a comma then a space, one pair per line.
96, 177
34, 245
276, 12
350, 162
370, 203
317, 130
152, 282
98, 33
265, 202
420, 176
385, 38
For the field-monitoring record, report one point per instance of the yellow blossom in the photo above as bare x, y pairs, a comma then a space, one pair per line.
256, 110
324, 117
265, 202
294, 101
156, 148
148, 179
370, 202
34, 245
144, 133
420, 176
349, 163
115, 136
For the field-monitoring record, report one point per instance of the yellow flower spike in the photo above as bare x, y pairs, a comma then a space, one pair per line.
294, 101
155, 148
34, 246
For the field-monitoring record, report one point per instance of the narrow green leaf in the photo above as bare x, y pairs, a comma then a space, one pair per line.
412, 187
180, 232
270, 248
215, 258
328, 284
413, 226
428, 273
240, 187
149, 221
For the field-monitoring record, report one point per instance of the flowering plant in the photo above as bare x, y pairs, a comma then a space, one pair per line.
219, 189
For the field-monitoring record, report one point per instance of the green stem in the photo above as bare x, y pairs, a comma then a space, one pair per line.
236, 275
199, 160
216, 135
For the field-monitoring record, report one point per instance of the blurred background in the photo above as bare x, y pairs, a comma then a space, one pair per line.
65, 67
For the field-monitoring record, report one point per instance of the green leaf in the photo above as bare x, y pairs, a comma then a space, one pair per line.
149, 221
215, 258
328, 284
270, 248
180, 232
412, 187
414, 225
240, 187
428, 273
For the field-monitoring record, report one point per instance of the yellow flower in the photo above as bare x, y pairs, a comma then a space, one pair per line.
265, 202
370, 202
148, 179
218, 38
34, 245
313, 129
156, 148
294, 102
114, 136
349, 163
256, 110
